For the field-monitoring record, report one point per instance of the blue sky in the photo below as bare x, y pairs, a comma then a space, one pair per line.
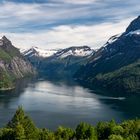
51, 24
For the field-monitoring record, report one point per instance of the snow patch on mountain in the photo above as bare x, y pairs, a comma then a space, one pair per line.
112, 40
82, 51
45, 53
136, 32
34, 51
75, 51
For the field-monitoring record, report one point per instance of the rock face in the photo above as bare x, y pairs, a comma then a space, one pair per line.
109, 63
12, 64
20, 67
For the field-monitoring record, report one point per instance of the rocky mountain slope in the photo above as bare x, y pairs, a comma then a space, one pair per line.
12, 65
116, 65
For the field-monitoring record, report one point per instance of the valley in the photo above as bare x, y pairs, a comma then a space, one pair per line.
69, 70
115, 66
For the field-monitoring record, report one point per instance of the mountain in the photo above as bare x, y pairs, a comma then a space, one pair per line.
35, 55
60, 63
115, 66
81, 51
12, 64
36, 52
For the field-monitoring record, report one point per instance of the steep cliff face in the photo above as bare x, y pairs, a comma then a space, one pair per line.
12, 65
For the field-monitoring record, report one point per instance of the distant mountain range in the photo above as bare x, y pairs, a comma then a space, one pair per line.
12, 65
58, 63
36, 52
77, 51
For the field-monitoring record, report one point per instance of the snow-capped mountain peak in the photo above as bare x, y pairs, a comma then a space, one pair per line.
81, 51
35, 51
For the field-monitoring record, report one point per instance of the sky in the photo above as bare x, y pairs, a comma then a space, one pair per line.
52, 24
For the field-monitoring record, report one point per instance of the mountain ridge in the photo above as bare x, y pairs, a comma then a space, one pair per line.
80, 51
64, 62
12, 65
118, 53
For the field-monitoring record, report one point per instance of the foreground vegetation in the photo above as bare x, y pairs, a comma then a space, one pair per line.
21, 127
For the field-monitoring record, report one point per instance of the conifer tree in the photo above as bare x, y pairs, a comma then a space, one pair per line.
17, 118
19, 132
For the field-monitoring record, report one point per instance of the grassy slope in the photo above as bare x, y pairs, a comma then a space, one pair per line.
4, 55
5, 81
5, 78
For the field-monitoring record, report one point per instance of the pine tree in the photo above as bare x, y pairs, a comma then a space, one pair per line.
19, 132
21, 120
17, 118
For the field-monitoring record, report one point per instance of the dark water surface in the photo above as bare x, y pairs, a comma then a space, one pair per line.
51, 104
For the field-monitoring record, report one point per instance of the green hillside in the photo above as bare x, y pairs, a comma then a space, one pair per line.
5, 81
125, 79
5, 77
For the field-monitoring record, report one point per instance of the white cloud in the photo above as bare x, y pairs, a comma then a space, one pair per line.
64, 23
23, 16
66, 36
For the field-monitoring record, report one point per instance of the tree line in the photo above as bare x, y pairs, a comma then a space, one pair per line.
21, 127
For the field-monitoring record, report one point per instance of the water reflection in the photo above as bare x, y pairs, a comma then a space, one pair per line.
53, 103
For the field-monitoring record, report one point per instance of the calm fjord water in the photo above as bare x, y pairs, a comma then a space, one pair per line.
51, 104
